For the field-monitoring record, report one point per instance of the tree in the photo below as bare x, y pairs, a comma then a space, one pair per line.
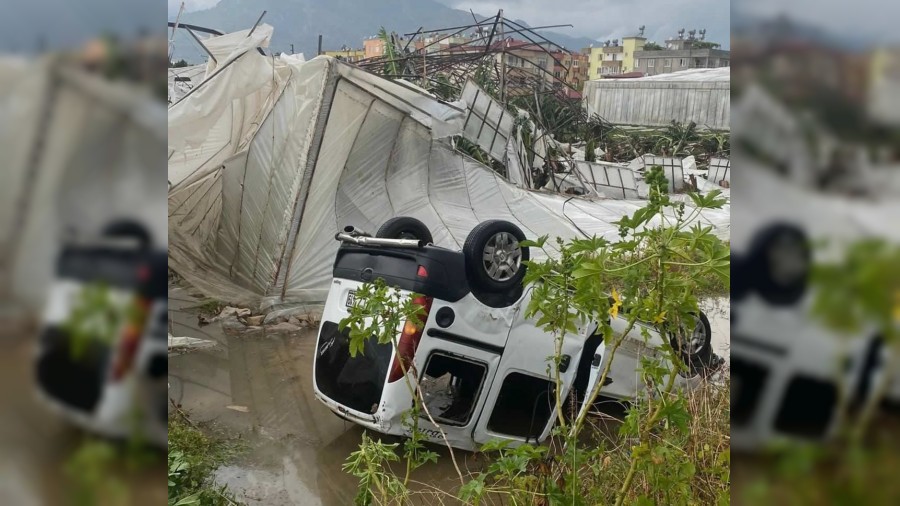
704, 44
652, 46
179, 64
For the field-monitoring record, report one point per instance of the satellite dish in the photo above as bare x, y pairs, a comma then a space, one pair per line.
615, 42
681, 33
641, 30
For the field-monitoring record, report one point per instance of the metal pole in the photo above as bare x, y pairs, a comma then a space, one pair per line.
320, 45
502, 61
257, 23
194, 35
174, 27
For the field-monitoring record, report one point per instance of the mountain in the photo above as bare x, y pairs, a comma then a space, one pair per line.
783, 28
341, 22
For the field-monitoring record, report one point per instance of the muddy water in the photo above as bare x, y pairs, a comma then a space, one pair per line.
37, 444
258, 386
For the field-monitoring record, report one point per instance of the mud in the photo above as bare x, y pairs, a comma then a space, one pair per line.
37, 445
296, 445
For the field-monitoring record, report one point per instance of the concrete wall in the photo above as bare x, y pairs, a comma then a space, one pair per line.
657, 103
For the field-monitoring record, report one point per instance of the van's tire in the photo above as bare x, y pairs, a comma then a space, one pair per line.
129, 228
789, 287
404, 227
696, 352
741, 278
494, 258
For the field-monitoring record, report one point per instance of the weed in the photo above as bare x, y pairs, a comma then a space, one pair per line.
193, 456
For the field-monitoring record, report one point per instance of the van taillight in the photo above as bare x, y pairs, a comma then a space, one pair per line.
409, 340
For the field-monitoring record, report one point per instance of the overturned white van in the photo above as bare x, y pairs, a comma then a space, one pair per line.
482, 365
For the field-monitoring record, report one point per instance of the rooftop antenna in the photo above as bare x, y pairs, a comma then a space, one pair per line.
607, 42
691, 34
681, 33
703, 34
641, 31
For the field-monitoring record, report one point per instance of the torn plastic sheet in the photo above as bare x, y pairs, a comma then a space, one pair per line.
337, 146
488, 124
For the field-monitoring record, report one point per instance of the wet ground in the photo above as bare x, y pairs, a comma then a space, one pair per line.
258, 386
37, 445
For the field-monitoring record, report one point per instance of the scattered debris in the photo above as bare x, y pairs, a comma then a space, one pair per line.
284, 327
184, 342
254, 321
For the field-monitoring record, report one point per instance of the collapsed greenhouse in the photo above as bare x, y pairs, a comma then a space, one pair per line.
270, 155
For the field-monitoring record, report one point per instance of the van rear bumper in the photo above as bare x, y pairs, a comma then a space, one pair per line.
372, 422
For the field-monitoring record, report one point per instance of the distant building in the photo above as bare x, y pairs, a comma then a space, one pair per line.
373, 47
679, 54
347, 55
613, 58
439, 42
570, 68
884, 86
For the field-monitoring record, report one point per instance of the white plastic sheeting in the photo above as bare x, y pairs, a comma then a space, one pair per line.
79, 151
254, 221
699, 95
488, 123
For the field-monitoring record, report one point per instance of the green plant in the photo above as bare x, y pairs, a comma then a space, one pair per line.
672, 446
379, 313
192, 458
98, 315
589, 151
391, 65
649, 276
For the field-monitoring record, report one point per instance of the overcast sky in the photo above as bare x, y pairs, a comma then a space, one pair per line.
610, 19
596, 19
874, 20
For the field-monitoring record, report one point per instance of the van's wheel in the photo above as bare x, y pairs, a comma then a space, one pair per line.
779, 264
404, 227
696, 345
494, 257
129, 228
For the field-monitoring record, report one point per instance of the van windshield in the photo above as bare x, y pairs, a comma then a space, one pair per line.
354, 382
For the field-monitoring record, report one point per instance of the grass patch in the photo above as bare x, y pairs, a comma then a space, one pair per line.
193, 456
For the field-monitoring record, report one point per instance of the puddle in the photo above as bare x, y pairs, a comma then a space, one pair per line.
37, 444
297, 446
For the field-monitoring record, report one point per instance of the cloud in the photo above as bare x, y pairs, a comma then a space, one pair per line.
189, 5
864, 19
615, 18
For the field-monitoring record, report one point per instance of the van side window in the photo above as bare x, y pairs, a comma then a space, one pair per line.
451, 387
524, 406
